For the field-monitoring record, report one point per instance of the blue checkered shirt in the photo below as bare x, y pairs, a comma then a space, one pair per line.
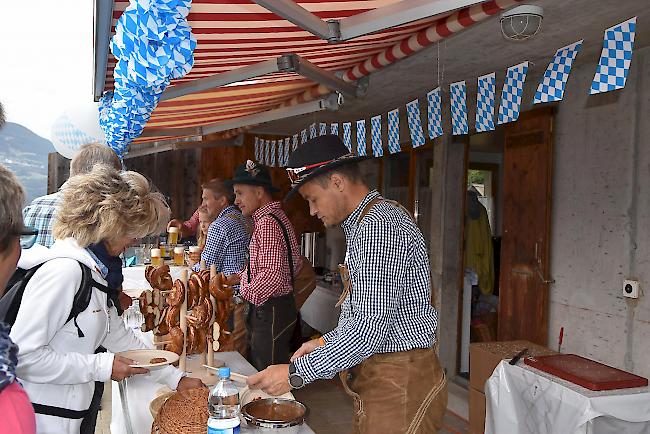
40, 215
227, 242
389, 307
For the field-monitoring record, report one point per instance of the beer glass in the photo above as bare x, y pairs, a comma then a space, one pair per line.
195, 254
179, 255
172, 238
164, 250
156, 258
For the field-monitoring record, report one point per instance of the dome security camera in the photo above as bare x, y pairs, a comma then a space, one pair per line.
522, 22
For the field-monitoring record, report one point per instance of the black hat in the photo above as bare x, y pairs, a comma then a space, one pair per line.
251, 173
315, 157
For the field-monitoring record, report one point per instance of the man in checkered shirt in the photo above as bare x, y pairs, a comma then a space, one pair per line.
383, 346
41, 212
266, 279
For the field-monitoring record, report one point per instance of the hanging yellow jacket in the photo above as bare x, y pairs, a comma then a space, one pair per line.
478, 249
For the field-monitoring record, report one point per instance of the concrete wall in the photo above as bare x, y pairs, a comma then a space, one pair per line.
601, 219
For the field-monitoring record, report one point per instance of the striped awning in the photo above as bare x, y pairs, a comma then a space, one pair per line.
235, 33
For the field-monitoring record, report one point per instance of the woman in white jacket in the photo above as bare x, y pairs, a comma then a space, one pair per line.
56, 361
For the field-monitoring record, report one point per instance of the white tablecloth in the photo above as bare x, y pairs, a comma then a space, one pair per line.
521, 399
140, 392
319, 310
135, 282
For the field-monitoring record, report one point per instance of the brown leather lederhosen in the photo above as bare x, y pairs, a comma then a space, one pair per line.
400, 392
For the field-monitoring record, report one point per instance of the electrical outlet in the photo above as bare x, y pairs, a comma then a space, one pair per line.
631, 288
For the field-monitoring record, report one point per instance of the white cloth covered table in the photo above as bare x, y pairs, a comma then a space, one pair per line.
319, 310
521, 399
141, 391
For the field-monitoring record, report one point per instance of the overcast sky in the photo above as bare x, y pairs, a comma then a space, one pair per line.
46, 52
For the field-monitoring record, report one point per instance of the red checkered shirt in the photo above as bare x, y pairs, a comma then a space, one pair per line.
269, 261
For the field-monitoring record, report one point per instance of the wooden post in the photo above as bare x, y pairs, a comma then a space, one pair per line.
182, 364
210, 356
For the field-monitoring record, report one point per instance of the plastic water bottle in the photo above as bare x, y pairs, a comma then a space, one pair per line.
223, 405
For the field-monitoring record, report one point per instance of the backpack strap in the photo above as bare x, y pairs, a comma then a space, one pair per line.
288, 242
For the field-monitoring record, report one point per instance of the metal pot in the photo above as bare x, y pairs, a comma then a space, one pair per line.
275, 415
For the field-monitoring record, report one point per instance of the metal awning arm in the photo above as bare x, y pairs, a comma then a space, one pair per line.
375, 20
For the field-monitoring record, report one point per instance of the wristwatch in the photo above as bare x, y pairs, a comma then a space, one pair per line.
295, 379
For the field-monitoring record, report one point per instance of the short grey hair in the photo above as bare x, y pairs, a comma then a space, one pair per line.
91, 154
3, 118
12, 197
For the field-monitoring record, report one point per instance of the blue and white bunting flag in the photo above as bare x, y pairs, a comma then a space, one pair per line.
615, 58
361, 138
286, 151
434, 113
393, 131
551, 87
267, 152
485, 102
312, 131
322, 129
335, 129
513, 88
458, 104
375, 136
257, 149
303, 136
280, 152
347, 135
415, 123
294, 145
272, 162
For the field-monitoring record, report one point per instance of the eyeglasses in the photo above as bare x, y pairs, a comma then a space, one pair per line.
28, 237
294, 173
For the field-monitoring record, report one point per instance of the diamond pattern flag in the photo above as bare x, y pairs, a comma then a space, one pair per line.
294, 145
322, 129
415, 123
375, 134
347, 135
551, 88
267, 152
312, 131
615, 58
286, 152
280, 152
458, 101
303, 136
434, 113
257, 149
393, 131
361, 137
513, 88
272, 162
485, 102
335, 129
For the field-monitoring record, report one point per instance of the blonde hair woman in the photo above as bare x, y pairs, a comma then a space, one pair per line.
102, 211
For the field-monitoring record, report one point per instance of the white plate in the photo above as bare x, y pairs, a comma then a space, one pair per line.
142, 358
247, 395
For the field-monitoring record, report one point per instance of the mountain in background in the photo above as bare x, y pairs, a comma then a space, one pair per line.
25, 153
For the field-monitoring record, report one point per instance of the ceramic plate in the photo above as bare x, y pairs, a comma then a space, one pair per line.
142, 358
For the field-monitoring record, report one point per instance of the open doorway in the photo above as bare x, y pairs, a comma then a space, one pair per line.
507, 234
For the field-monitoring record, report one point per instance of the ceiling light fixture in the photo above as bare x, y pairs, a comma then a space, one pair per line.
522, 22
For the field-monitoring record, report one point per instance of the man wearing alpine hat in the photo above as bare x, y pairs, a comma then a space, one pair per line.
383, 345
265, 280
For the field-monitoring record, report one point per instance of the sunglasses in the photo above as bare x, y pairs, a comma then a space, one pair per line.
296, 174
28, 237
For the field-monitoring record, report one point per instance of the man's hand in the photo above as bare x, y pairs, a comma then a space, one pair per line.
125, 300
306, 348
274, 380
175, 223
233, 279
122, 370
187, 383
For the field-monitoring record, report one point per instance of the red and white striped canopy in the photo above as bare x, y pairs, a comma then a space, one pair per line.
235, 33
